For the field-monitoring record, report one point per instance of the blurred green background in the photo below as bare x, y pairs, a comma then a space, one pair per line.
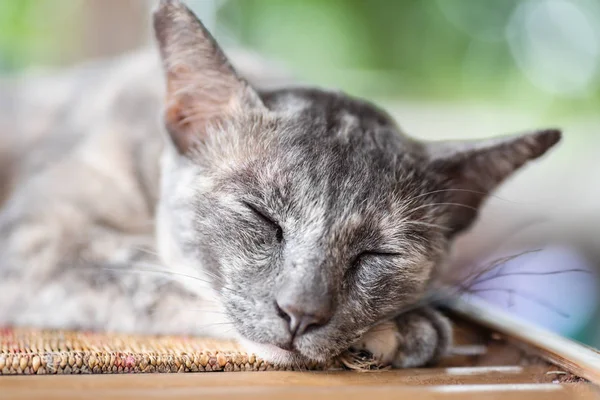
534, 53
541, 54
445, 68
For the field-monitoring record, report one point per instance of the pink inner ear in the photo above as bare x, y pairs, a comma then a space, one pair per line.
190, 111
202, 87
192, 102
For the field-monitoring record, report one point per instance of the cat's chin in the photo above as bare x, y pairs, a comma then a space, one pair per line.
275, 355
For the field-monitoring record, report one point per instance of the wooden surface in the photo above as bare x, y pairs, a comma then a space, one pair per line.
574, 357
425, 376
515, 383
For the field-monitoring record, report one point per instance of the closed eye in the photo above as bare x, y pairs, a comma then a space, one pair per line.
267, 220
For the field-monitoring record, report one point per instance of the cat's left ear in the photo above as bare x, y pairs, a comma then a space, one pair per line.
471, 170
202, 87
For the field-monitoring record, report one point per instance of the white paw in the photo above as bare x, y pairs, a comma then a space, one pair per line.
411, 340
382, 341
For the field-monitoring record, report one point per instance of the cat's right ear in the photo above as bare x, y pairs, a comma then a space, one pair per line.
203, 89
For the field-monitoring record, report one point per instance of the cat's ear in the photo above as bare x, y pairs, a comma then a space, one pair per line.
202, 87
473, 169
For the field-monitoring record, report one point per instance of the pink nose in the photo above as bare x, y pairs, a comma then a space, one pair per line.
301, 321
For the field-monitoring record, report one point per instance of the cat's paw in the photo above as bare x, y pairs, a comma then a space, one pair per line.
415, 339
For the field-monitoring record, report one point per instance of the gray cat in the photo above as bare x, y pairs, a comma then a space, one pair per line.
301, 221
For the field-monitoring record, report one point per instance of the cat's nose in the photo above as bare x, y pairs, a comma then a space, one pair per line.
302, 320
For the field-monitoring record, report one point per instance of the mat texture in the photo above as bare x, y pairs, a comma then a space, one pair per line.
29, 351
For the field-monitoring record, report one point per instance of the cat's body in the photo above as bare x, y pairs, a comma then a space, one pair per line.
89, 126
298, 219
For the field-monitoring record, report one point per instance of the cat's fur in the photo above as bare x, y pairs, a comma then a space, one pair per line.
266, 204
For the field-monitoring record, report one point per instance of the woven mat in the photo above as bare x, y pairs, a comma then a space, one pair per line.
30, 351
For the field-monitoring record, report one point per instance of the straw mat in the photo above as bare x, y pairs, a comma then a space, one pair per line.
31, 351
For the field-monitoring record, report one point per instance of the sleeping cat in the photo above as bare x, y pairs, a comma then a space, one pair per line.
300, 221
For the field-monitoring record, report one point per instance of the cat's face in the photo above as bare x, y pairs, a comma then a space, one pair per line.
311, 214
318, 205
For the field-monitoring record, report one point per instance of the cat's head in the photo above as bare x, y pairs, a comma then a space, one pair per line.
311, 213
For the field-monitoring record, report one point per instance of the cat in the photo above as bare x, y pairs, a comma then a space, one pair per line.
300, 221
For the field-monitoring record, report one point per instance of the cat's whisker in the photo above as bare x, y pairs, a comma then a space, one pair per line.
487, 194
146, 251
458, 289
443, 204
219, 279
526, 295
160, 268
158, 309
532, 273
214, 324
228, 330
151, 270
426, 224
478, 272
494, 245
